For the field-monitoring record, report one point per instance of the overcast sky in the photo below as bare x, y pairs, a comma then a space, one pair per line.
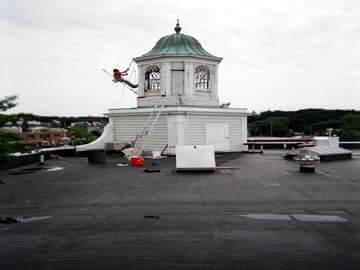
278, 54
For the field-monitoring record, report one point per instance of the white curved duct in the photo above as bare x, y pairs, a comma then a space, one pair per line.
106, 137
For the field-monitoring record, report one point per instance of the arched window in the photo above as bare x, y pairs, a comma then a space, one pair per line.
202, 78
152, 78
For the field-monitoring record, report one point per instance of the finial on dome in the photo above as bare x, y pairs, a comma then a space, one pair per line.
177, 27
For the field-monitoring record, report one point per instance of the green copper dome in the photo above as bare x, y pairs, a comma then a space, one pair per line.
178, 45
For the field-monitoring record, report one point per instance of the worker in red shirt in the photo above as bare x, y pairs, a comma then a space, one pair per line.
117, 74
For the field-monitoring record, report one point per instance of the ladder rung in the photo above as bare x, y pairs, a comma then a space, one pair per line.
147, 130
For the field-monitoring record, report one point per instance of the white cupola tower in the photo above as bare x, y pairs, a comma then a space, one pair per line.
178, 87
178, 71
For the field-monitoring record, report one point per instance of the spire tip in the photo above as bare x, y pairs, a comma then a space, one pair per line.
177, 27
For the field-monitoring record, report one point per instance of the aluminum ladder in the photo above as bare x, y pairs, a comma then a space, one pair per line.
141, 138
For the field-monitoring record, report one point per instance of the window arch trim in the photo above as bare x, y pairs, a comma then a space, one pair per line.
202, 78
153, 78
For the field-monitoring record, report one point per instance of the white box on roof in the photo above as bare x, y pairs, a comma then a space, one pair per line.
195, 157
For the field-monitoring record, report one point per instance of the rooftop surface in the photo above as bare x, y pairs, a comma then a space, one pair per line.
264, 215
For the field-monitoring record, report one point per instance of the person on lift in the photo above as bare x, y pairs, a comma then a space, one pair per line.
117, 74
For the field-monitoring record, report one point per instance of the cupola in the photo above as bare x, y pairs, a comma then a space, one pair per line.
178, 71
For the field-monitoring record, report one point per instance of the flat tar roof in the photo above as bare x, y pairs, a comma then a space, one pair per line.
264, 215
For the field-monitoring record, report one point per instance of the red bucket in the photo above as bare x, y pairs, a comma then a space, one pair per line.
137, 161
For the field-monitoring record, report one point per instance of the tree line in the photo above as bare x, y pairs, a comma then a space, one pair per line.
345, 123
12, 142
64, 121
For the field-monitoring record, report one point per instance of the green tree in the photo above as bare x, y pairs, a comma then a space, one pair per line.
4, 118
279, 126
349, 135
271, 126
7, 103
259, 128
350, 130
351, 122
80, 130
82, 136
8, 141
308, 121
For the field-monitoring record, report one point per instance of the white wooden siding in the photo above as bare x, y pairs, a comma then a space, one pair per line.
127, 126
196, 131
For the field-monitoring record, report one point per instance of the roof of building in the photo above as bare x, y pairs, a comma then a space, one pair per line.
321, 150
266, 214
34, 123
178, 45
278, 139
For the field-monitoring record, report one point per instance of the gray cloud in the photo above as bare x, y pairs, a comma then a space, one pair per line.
277, 54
